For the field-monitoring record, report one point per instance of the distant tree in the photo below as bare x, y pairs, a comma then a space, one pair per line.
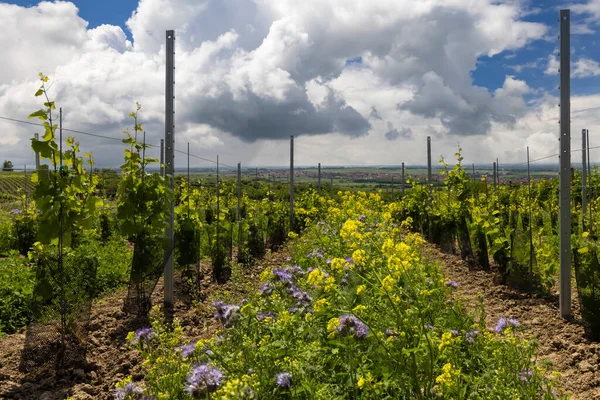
7, 165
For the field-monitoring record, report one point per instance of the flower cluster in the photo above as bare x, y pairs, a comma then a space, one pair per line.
203, 378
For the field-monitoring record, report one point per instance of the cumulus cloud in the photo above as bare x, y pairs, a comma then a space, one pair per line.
394, 134
582, 68
251, 73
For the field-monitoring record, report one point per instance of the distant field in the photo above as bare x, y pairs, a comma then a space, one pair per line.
14, 183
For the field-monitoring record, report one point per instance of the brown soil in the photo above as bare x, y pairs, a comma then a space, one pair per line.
561, 342
109, 358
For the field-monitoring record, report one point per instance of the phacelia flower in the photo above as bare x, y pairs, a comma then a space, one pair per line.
283, 380
503, 323
266, 289
525, 375
131, 390
186, 349
15, 211
226, 313
452, 284
454, 332
471, 335
143, 334
203, 378
283, 276
263, 315
351, 325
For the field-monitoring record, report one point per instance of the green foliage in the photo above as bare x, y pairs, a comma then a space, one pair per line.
384, 326
17, 279
65, 193
7, 166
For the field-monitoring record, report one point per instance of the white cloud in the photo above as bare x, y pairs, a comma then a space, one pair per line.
582, 68
250, 73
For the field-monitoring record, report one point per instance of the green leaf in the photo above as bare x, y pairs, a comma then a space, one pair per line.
39, 92
40, 114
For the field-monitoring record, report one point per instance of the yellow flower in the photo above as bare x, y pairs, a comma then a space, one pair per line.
446, 377
446, 341
388, 283
337, 264
360, 289
358, 309
359, 257
388, 247
394, 263
321, 305
332, 326
330, 284
361, 382
316, 277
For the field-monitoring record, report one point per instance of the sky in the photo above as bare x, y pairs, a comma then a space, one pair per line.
357, 83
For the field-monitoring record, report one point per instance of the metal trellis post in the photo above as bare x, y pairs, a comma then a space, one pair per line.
319, 178
402, 180
583, 179
169, 167
291, 183
565, 166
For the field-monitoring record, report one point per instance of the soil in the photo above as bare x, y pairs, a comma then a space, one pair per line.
109, 358
561, 342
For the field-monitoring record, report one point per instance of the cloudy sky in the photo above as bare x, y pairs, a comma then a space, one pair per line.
359, 82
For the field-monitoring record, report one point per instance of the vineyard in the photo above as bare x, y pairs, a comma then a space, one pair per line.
341, 299
137, 283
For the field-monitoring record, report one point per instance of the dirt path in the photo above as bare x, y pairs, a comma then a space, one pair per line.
560, 342
109, 358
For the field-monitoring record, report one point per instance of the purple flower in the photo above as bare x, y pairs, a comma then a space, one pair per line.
283, 380
452, 284
266, 289
145, 334
391, 332
315, 253
361, 217
261, 316
503, 323
429, 326
284, 276
351, 325
288, 258
454, 332
525, 375
203, 378
303, 299
500, 326
294, 269
186, 349
329, 260
349, 260
129, 390
15, 211
226, 313
471, 335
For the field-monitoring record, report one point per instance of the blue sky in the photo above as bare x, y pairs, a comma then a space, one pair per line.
490, 72
399, 83
98, 12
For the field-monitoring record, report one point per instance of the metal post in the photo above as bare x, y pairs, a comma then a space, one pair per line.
169, 167
565, 165
473, 171
494, 173
589, 166
402, 179
218, 218
256, 173
583, 179
239, 205
162, 157
392, 188
429, 161
530, 216
37, 156
25, 188
63, 303
189, 189
497, 172
291, 183
429, 186
319, 178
